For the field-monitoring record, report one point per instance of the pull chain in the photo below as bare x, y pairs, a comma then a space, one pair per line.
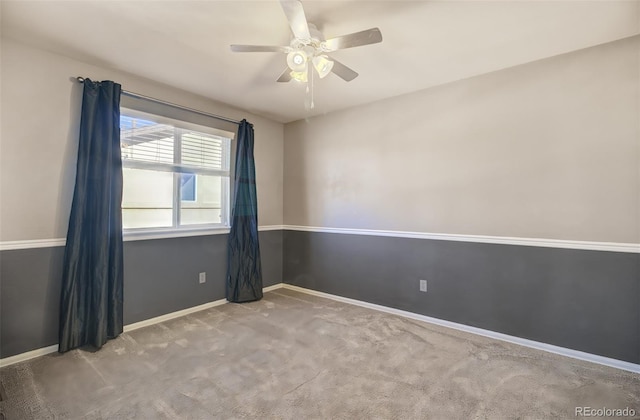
312, 87
308, 100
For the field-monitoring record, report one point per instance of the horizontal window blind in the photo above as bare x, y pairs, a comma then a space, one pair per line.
201, 150
147, 141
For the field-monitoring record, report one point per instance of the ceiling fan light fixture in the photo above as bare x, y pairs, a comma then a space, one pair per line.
299, 76
323, 65
297, 61
308, 48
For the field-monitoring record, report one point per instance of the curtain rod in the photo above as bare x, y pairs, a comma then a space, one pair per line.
159, 101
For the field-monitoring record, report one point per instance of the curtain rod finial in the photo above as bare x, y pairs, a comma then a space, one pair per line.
80, 79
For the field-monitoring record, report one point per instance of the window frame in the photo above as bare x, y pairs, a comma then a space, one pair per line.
177, 169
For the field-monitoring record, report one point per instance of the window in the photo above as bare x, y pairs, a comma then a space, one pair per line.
176, 174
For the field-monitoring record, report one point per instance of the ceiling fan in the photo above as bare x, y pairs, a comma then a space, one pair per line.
308, 48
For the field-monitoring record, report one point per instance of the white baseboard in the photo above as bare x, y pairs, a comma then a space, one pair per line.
575, 354
274, 287
28, 355
127, 328
173, 315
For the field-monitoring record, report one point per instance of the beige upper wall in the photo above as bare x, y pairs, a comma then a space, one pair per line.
40, 109
549, 149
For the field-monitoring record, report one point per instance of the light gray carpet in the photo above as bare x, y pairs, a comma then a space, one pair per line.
296, 356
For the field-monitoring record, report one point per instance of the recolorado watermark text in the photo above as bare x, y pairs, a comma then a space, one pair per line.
604, 412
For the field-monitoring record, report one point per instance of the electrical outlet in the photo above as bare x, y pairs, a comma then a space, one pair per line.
202, 278
423, 285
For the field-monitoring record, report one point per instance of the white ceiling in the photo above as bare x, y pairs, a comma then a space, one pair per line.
425, 43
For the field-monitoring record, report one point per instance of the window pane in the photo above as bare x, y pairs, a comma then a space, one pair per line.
188, 187
207, 206
147, 199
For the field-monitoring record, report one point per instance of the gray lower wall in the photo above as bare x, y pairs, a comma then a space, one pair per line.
582, 300
29, 298
160, 277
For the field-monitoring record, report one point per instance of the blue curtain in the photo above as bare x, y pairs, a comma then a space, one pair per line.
91, 298
244, 270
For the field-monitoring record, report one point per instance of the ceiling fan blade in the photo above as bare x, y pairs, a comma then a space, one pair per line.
285, 76
297, 20
343, 71
259, 48
370, 36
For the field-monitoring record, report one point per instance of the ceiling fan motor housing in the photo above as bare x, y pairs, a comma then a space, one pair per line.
311, 46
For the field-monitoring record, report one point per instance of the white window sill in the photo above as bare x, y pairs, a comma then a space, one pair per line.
146, 234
